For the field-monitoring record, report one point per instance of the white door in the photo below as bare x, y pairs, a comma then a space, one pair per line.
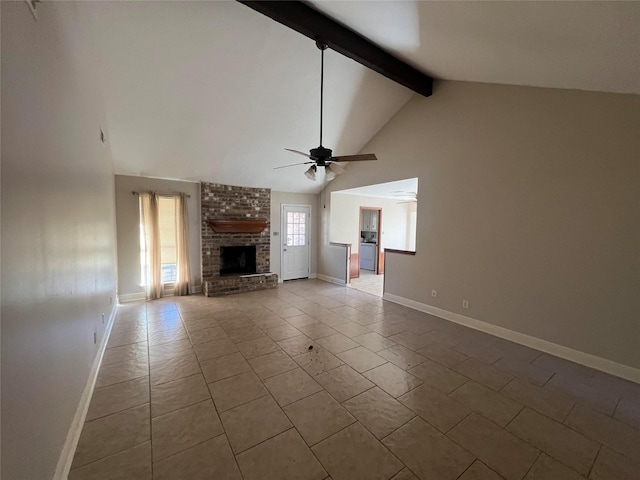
295, 241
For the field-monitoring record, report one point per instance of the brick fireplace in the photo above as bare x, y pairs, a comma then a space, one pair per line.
236, 224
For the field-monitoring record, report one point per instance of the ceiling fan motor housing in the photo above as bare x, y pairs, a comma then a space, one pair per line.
321, 155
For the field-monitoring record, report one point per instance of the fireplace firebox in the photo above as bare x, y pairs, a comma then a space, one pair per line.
237, 260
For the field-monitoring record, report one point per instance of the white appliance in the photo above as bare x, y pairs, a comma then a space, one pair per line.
368, 256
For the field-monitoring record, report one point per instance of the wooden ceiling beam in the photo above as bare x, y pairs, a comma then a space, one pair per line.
308, 21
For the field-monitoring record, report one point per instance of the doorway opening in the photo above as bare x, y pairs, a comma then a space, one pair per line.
371, 219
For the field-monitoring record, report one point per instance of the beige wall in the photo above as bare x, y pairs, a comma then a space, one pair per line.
528, 208
277, 200
128, 228
345, 221
334, 257
58, 231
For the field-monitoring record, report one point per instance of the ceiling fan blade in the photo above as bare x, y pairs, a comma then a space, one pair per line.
298, 152
292, 165
337, 169
403, 193
355, 158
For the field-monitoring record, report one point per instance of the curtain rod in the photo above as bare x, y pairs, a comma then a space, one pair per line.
162, 194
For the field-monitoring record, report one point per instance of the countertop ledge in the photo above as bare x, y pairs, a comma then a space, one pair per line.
402, 252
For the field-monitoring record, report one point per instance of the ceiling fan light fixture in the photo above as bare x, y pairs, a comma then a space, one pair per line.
328, 173
311, 172
337, 169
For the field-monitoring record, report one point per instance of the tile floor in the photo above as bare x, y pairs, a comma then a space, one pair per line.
369, 282
227, 388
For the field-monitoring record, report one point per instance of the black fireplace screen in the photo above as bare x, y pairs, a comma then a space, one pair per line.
235, 260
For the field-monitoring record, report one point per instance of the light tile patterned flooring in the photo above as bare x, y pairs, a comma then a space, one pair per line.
227, 388
369, 282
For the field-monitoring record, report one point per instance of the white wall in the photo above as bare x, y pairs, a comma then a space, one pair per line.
345, 221
58, 231
277, 200
128, 228
528, 208
412, 224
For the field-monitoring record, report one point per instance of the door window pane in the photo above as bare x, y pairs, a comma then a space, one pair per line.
296, 229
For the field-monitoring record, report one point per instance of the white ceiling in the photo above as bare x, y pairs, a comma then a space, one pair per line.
399, 189
557, 44
215, 91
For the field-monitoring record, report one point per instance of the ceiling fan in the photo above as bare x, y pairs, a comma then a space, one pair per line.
321, 156
405, 196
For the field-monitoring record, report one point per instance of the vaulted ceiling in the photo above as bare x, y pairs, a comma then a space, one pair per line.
215, 91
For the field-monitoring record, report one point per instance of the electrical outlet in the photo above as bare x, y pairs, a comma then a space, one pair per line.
103, 318
434, 293
111, 300
465, 303
95, 337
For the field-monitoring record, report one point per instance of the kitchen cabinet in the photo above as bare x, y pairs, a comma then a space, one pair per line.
364, 220
368, 254
369, 221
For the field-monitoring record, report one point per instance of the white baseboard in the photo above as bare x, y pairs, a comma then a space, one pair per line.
73, 436
131, 297
139, 296
326, 278
587, 359
313, 275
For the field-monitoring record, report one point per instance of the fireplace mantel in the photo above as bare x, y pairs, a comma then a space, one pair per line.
249, 225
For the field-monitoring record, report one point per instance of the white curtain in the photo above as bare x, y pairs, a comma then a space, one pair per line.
151, 228
183, 274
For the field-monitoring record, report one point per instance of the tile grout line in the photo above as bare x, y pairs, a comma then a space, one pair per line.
467, 469
593, 464
370, 433
149, 365
615, 409
146, 316
549, 454
463, 448
540, 452
110, 455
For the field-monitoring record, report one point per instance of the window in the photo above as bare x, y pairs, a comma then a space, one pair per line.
167, 222
167, 228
